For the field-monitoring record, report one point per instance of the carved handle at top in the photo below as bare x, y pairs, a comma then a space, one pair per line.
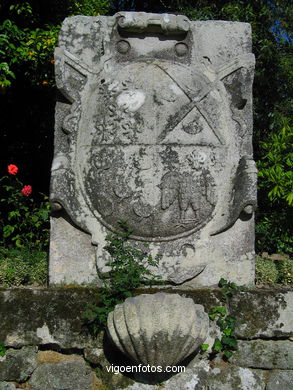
141, 22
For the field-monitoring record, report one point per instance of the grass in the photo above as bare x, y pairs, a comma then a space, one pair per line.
23, 267
274, 272
20, 267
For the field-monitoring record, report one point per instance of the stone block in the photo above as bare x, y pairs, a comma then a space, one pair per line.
45, 317
56, 357
18, 365
264, 354
155, 128
264, 313
233, 378
73, 375
280, 380
7, 386
72, 260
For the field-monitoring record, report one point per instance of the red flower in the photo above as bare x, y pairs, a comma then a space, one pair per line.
27, 190
12, 169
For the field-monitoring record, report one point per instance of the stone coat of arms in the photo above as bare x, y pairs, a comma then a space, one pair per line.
154, 127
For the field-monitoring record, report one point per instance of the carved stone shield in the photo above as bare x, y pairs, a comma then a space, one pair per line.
149, 153
155, 130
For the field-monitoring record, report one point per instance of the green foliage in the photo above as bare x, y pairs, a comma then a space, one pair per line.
227, 324
221, 310
276, 167
27, 46
5, 75
285, 271
23, 222
274, 231
23, 267
266, 272
128, 271
204, 347
270, 272
228, 342
274, 226
89, 7
228, 288
2, 350
29, 51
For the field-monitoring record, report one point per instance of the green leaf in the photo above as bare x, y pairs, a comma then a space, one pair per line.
227, 331
8, 230
227, 353
229, 341
219, 310
217, 347
204, 347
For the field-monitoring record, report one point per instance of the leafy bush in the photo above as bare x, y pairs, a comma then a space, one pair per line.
285, 270
274, 221
27, 48
274, 272
89, 7
266, 272
227, 324
275, 168
23, 267
29, 51
274, 231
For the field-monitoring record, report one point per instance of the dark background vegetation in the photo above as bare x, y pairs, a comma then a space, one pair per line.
28, 35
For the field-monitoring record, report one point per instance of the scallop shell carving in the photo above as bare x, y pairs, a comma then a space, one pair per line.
158, 329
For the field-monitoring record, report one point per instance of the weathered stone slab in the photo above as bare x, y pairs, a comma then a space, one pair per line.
68, 246
232, 378
263, 313
60, 376
264, 354
44, 317
280, 380
7, 386
155, 128
18, 365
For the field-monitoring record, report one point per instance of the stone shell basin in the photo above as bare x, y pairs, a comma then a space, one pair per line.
158, 329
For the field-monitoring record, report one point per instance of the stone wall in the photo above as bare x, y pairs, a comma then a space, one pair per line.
49, 348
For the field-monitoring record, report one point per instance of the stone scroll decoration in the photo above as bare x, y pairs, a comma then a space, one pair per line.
154, 126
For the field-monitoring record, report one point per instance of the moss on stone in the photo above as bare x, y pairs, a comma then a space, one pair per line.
256, 311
